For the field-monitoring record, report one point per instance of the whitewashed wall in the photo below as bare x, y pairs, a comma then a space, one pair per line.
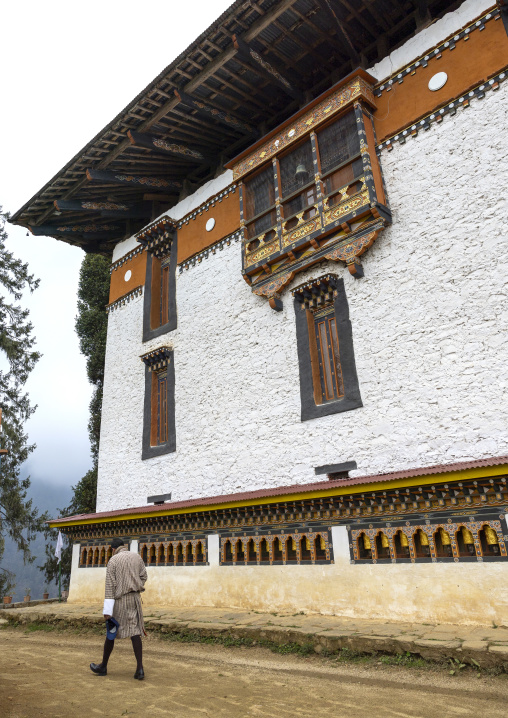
429, 326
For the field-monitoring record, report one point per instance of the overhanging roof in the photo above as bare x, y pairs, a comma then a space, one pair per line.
251, 69
452, 472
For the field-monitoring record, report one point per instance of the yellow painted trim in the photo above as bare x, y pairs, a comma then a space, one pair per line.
465, 474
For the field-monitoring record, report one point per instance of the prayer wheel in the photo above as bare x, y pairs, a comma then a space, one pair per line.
384, 541
467, 536
366, 542
491, 536
445, 537
307, 543
279, 544
424, 539
403, 540
322, 543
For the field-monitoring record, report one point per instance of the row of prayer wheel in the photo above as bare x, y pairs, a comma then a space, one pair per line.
445, 540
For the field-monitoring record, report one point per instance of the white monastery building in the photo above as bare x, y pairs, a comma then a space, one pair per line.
306, 366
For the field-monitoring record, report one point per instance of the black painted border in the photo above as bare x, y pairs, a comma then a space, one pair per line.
352, 398
171, 324
148, 451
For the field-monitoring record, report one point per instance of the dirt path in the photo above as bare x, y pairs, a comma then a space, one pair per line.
46, 675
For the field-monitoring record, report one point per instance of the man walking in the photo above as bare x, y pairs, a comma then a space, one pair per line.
125, 580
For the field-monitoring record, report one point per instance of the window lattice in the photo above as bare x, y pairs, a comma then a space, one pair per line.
296, 169
338, 142
259, 193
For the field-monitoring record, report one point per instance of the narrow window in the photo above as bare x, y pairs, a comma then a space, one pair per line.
159, 408
327, 344
159, 308
328, 379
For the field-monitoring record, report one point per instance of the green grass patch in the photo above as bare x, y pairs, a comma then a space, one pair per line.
39, 626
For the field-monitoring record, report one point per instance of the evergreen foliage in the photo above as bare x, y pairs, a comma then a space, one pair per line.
19, 519
91, 328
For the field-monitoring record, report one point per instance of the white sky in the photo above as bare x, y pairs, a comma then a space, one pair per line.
66, 70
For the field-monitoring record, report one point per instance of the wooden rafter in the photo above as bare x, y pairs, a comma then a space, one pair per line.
341, 33
256, 62
154, 183
158, 144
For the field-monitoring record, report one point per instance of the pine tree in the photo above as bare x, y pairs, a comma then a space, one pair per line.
91, 328
19, 519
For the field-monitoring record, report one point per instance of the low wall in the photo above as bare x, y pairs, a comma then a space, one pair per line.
460, 593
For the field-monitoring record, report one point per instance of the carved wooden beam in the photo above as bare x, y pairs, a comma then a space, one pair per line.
138, 139
257, 63
131, 213
72, 205
152, 183
219, 115
47, 230
106, 209
344, 43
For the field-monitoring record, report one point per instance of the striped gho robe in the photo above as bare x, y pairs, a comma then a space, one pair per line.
125, 579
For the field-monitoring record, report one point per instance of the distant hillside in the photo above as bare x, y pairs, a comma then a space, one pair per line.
47, 497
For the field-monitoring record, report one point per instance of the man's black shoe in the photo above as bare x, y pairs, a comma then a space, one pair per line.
98, 669
140, 674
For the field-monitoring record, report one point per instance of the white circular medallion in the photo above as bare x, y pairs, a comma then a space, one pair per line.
291, 132
438, 81
210, 224
127, 275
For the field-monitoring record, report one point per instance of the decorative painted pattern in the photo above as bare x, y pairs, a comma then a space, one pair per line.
271, 289
264, 250
97, 554
465, 497
408, 533
301, 231
148, 181
126, 258
205, 206
125, 299
180, 552
449, 109
80, 228
205, 253
104, 206
306, 546
266, 66
361, 199
157, 358
338, 100
348, 252
177, 149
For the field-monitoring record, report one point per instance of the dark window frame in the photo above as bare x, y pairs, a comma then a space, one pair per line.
150, 450
171, 324
351, 398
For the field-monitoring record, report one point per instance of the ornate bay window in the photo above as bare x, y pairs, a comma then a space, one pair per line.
312, 189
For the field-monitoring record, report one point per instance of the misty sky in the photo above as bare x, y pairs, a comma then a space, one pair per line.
67, 70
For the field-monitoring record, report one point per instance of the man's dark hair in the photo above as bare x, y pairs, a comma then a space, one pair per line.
117, 542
